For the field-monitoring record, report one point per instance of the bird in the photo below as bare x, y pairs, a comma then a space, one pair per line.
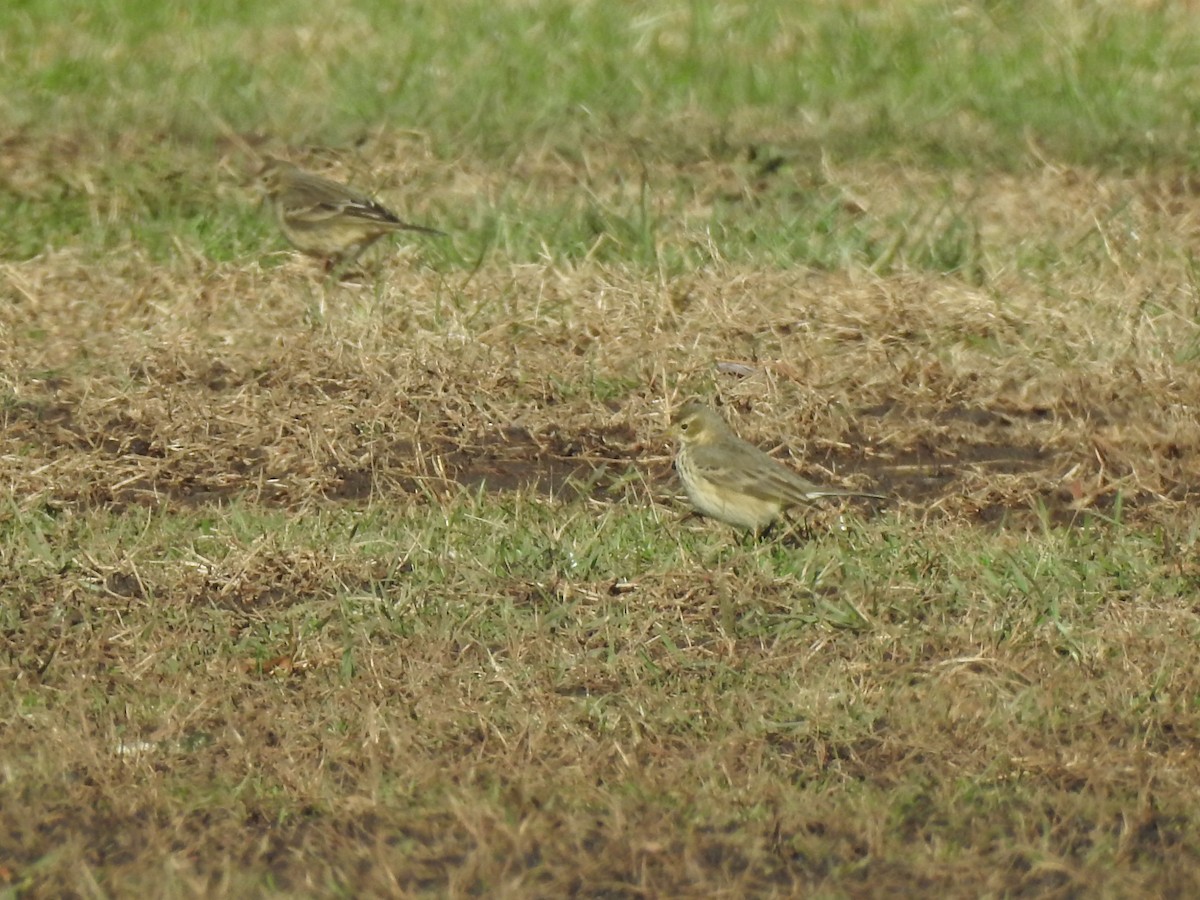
733, 481
326, 219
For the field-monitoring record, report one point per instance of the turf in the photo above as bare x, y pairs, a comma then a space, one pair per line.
384, 586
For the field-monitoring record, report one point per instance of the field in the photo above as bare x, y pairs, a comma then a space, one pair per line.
384, 586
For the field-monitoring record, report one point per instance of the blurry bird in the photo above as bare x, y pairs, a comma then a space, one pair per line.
324, 218
728, 479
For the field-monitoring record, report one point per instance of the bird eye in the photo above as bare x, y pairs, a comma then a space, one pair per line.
684, 426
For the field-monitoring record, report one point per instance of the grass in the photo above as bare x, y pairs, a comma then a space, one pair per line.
578, 129
385, 587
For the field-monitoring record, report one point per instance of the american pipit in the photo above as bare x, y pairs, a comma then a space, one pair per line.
734, 481
323, 218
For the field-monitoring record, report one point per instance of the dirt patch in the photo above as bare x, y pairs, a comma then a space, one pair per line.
555, 464
990, 464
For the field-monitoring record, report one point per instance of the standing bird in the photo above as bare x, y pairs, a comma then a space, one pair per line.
325, 219
728, 479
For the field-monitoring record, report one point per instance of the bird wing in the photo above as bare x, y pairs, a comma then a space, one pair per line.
316, 200
748, 470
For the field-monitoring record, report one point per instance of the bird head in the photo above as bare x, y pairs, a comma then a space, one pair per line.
696, 424
273, 175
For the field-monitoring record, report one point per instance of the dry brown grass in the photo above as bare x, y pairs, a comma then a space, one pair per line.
133, 382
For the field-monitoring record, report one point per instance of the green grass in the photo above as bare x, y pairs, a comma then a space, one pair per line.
632, 94
1062, 582
1098, 85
